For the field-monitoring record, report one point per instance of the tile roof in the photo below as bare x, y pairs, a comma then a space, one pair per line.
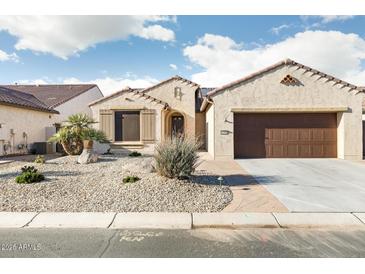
176, 77
53, 95
21, 99
205, 91
285, 62
135, 91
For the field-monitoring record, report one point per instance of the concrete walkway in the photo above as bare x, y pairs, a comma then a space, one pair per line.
169, 220
248, 195
311, 185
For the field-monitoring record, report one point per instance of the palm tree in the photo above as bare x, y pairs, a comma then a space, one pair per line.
77, 128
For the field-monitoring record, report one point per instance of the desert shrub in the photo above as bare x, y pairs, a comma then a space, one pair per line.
29, 175
130, 179
135, 154
176, 158
39, 159
77, 128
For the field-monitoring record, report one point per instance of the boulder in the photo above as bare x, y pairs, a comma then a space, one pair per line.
100, 148
87, 156
140, 164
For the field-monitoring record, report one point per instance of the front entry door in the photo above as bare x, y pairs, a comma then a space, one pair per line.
177, 126
127, 126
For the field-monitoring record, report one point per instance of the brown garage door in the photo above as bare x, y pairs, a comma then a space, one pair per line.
297, 135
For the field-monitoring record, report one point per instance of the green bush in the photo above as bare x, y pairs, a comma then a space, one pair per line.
77, 128
130, 179
135, 154
176, 158
39, 159
29, 175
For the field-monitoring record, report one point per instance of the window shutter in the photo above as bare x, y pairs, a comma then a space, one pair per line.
106, 123
148, 125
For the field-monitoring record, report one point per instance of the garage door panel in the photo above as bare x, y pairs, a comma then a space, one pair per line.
285, 135
304, 134
292, 150
304, 151
291, 134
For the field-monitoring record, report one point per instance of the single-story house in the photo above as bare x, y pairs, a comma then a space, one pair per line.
33, 113
66, 99
139, 118
285, 110
23, 120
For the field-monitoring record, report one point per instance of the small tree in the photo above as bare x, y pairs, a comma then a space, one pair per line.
176, 158
76, 129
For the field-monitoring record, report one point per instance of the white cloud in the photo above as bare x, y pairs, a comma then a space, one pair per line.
8, 57
33, 82
278, 29
107, 85
64, 36
188, 67
331, 18
332, 52
110, 85
156, 32
173, 66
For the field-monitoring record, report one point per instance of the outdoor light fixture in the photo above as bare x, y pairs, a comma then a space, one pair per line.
220, 180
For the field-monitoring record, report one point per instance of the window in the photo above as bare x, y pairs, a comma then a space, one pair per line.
177, 92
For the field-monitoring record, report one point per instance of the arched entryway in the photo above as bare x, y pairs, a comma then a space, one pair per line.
175, 124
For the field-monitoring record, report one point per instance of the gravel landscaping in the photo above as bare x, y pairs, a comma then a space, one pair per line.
98, 187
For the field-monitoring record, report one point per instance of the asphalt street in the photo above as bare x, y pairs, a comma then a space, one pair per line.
248, 243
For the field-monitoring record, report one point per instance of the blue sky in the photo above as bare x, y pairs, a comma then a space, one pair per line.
115, 52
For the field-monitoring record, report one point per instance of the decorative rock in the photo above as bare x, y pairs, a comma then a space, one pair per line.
71, 187
87, 156
142, 164
100, 148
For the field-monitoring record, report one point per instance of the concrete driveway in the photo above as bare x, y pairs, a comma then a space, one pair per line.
312, 185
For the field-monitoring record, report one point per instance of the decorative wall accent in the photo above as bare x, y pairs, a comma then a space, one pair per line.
289, 80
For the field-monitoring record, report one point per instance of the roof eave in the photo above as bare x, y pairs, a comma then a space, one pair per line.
277, 65
53, 111
206, 102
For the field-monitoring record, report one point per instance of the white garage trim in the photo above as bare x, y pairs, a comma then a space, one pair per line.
288, 109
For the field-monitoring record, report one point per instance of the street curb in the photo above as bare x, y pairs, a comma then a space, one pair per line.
158, 220
316, 220
72, 220
234, 220
183, 220
16, 219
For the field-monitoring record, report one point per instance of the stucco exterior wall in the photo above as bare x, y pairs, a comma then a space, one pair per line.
79, 104
129, 101
210, 130
266, 92
200, 128
186, 105
20, 120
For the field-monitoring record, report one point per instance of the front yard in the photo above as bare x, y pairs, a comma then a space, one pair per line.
99, 187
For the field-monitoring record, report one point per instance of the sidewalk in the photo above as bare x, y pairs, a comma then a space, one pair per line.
160, 220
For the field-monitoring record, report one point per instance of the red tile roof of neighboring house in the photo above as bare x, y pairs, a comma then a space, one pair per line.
136, 91
288, 62
53, 95
21, 99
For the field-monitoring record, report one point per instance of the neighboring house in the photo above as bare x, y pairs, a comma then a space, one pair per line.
23, 120
61, 99
66, 99
286, 110
135, 117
